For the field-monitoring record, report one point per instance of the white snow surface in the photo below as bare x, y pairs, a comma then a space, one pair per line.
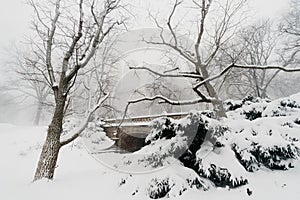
80, 176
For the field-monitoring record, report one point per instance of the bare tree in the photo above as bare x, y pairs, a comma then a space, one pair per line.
65, 44
97, 78
206, 44
290, 29
214, 30
254, 45
28, 80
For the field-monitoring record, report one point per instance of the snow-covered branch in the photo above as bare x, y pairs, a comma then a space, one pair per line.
244, 67
186, 75
77, 132
167, 100
172, 102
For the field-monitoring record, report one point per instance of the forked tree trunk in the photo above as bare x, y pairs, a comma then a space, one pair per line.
49, 155
217, 105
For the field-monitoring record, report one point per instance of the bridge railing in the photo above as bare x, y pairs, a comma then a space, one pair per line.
139, 119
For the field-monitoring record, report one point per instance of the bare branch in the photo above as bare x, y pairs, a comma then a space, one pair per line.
204, 10
36, 10
177, 3
70, 51
186, 75
97, 38
176, 48
163, 42
49, 48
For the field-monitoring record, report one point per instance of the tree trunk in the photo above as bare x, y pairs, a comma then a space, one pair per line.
264, 93
38, 114
49, 155
256, 84
218, 106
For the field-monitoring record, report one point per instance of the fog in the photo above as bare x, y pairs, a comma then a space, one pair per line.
15, 18
15, 15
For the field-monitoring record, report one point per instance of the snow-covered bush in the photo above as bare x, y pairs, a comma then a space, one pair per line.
69, 125
95, 139
253, 110
164, 128
168, 182
223, 152
158, 152
195, 140
173, 138
273, 156
250, 107
220, 166
276, 157
231, 105
159, 188
270, 141
283, 107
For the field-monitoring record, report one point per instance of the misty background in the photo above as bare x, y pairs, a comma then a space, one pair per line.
15, 16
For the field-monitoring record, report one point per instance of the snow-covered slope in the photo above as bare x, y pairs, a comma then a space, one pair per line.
79, 176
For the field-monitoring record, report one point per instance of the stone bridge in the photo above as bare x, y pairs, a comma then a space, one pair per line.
130, 133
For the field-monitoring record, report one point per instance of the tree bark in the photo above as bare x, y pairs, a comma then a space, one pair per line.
217, 105
49, 155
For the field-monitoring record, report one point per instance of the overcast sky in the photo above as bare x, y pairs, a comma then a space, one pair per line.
15, 16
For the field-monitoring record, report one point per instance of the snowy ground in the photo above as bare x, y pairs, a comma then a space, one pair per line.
79, 176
